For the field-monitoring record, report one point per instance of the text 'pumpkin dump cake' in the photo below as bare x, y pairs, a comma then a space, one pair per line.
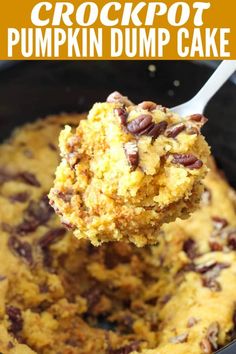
127, 169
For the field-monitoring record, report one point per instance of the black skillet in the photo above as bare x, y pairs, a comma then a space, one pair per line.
35, 89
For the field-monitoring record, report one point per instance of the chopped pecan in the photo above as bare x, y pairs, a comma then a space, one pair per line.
47, 257
122, 114
234, 318
51, 236
192, 130
231, 240
126, 349
198, 118
40, 210
43, 288
205, 346
212, 334
191, 322
73, 143
20, 197
22, 249
132, 154
188, 160
28, 153
175, 129
65, 195
210, 272
52, 146
73, 158
189, 248
165, 299
126, 323
29, 178
7, 228
212, 284
211, 265
206, 197
117, 97
215, 245
148, 105
14, 315
26, 226
93, 296
10, 345
219, 223
37, 213
5, 176
182, 338
112, 258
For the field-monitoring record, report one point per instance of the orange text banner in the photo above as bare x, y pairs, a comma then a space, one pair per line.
85, 30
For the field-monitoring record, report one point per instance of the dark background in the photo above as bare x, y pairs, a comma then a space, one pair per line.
33, 89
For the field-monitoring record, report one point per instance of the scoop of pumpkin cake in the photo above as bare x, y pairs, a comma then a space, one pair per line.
127, 169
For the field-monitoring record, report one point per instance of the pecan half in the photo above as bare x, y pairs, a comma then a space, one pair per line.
175, 129
132, 155
188, 160
156, 130
138, 125
117, 97
143, 125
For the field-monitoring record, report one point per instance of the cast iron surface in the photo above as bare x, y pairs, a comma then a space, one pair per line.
29, 90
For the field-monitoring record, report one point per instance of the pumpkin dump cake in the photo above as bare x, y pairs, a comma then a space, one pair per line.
127, 169
61, 295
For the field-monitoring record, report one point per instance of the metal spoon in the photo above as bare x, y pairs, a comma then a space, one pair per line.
198, 103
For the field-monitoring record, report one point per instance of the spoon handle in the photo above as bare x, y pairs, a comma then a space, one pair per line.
218, 78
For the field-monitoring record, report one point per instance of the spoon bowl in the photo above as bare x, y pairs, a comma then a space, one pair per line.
198, 103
